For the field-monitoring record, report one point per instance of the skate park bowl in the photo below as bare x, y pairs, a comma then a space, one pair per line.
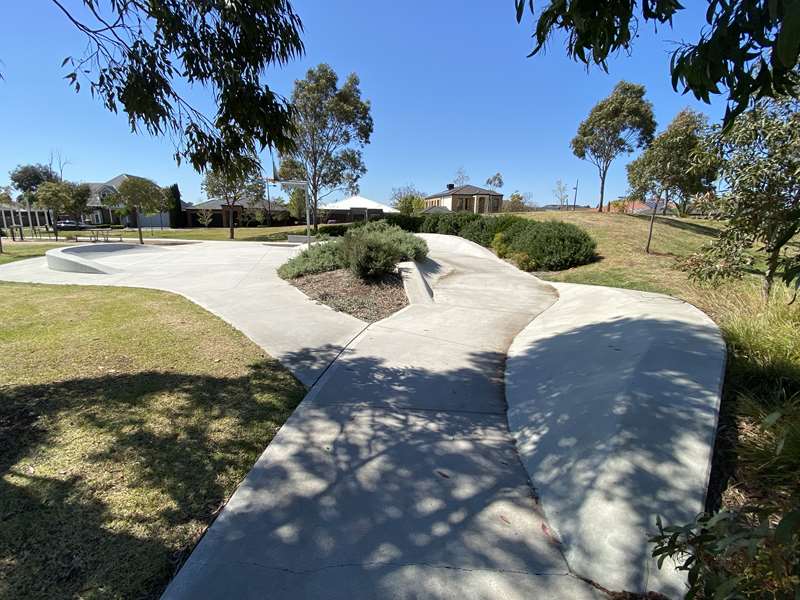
89, 258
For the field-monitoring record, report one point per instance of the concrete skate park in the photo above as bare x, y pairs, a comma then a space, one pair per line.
500, 437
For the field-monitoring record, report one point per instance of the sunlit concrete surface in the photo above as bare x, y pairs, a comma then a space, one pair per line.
613, 398
397, 477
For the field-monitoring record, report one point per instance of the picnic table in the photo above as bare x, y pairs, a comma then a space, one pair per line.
97, 235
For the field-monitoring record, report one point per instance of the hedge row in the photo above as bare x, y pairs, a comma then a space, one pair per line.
369, 251
532, 245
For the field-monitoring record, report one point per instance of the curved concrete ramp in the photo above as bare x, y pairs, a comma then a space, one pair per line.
89, 258
613, 398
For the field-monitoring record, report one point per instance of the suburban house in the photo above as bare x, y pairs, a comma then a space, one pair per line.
102, 214
242, 215
354, 208
467, 198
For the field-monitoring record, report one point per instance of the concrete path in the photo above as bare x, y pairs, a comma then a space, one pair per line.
613, 397
236, 281
396, 477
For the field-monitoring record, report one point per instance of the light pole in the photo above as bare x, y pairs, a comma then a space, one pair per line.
298, 184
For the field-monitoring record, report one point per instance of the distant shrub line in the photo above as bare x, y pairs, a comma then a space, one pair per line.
532, 245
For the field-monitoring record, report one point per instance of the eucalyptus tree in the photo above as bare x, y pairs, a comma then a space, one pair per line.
27, 178
748, 50
408, 199
141, 57
760, 192
495, 182
332, 124
618, 124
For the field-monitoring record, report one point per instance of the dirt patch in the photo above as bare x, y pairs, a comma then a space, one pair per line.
343, 291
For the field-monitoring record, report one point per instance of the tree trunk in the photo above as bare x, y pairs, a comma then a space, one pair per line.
769, 274
55, 226
139, 226
650, 232
230, 222
602, 190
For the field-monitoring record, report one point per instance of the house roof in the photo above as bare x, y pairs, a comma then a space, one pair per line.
465, 190
112, 185
358, 202
215, 204
434, 209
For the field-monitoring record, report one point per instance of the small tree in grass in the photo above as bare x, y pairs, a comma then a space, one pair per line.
205, 216
233, 189
760, 196
55, 196
138, 196
676, 167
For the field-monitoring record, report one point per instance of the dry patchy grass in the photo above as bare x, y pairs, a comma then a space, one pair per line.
127, 418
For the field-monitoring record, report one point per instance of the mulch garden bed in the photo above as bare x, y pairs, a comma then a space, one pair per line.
343, 291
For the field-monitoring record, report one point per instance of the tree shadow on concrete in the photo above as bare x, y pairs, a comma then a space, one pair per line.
616, 421
366, 491
116, 515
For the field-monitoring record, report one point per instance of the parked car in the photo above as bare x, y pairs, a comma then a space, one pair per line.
69, 225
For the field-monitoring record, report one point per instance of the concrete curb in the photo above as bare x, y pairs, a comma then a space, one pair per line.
613, 400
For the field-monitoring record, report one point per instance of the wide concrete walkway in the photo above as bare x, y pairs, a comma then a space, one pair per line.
397, 477
613, 397
236, 281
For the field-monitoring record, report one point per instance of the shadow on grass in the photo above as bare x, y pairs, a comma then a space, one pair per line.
679, 224
108, 481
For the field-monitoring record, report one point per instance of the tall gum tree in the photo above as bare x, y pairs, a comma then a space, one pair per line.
617, 125
331, 126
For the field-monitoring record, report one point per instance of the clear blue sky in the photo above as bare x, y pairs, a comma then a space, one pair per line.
449, 82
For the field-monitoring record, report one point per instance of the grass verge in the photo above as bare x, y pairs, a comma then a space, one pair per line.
20, 250
127, 419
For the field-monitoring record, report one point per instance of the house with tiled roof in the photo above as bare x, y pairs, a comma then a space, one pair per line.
466, 198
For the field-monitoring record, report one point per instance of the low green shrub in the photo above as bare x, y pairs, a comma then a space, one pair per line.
552, 246
478, 231
411, 223
316, 259
375, 249
454, 223
430, 223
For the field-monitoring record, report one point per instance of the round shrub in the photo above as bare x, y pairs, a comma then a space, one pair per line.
375, 248
551, 246
370, 256
316, 259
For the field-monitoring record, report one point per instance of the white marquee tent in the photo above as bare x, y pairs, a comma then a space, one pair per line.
358, 203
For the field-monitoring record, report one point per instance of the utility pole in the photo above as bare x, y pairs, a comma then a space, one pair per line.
575, 199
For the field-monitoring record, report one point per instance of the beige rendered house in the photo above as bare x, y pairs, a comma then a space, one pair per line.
467, 198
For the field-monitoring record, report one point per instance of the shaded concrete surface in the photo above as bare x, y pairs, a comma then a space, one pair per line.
613, 399
397, 477
236, 281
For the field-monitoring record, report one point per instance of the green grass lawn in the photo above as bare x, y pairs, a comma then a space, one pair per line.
18, 250
245, 234
763, 372
127, 418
